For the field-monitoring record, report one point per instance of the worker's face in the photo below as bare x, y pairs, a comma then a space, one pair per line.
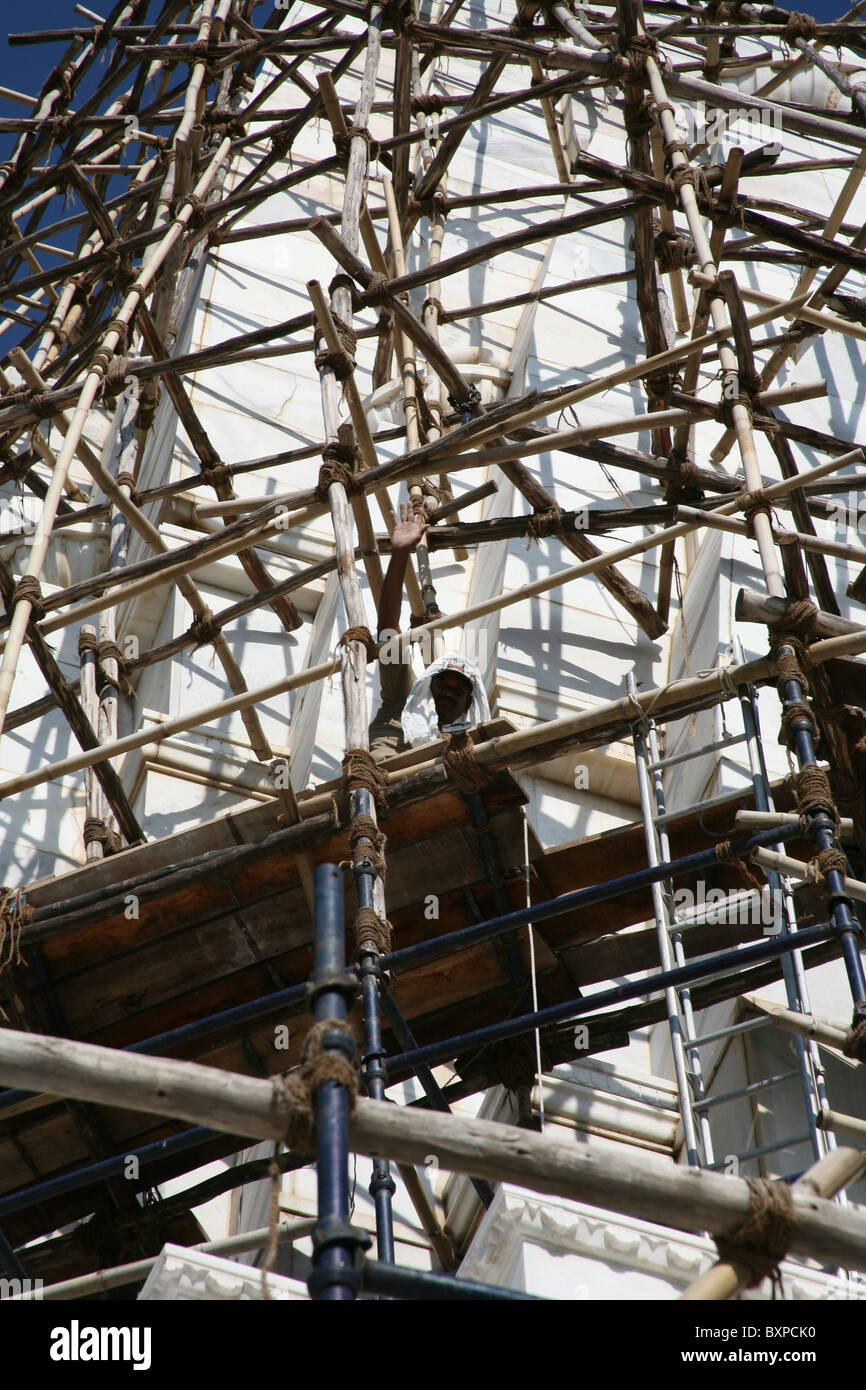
452, 696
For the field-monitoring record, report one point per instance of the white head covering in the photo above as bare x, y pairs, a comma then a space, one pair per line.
419, 719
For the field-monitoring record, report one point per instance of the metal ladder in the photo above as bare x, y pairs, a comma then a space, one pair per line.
686, 1042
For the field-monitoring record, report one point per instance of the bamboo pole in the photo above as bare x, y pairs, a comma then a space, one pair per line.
759, 820
92, 384
843, 645
832, 1173
90, 704
647, 1188
796, 868
821, 1030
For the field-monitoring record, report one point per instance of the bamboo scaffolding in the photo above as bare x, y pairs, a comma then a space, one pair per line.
649, 1188
142, 248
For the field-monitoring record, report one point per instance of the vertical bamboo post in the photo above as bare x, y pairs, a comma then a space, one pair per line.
87, 648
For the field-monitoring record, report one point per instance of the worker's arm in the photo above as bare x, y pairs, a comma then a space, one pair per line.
407, 533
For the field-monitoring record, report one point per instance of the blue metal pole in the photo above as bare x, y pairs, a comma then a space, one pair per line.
431, 1087
576, 1008
466, 937
294, 999
334, 1277
382, 1186
399, 1282
106, 1168
821, 829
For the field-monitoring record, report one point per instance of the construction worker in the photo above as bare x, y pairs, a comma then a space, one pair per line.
449, 695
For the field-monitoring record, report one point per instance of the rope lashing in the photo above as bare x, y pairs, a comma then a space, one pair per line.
115, 378
13, 916
757, 500
825, 862
462, 766
29, 590
790, 666
427, 104
799, 26
199, 210
204, 628
812, 790
126, 478
725, 855
638, 48
762, 1240
97, 832
364, 827
673, 251
342, 361
431, 302
343, 142
87, 642
639, 118
678, 177
110, 651
798, 713
338, 466
370, 927
215, 475
543, 524
378, 292
855, 1044
360, 770
296, 1093
801, 618
363, 635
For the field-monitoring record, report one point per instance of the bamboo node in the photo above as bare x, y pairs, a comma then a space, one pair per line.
761, 1241
29, 590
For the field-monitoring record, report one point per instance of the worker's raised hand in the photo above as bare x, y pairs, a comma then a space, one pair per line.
409, 529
